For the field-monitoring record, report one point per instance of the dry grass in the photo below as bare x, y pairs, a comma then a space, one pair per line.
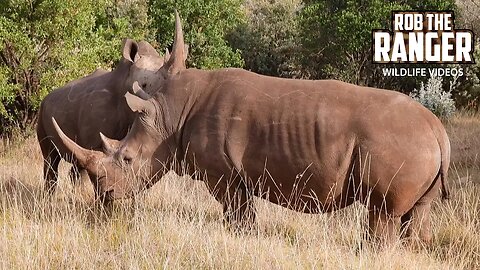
177, 224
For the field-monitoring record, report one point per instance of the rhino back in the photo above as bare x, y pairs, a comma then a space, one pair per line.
83, 108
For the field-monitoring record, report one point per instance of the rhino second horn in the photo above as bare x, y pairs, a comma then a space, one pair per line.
167, 55
109, 145
138, 91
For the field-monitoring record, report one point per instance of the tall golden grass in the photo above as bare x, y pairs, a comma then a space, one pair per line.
177, 224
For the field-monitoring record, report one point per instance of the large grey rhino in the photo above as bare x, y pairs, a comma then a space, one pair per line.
93, 104
310, 146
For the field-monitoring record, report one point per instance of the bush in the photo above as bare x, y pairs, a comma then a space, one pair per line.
205, 26
432, 96
336, 36
268, 39
45, 44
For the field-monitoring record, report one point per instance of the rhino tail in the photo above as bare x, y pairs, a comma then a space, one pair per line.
444, 179
444, 144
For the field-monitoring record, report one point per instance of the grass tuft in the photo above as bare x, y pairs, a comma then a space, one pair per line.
177, 224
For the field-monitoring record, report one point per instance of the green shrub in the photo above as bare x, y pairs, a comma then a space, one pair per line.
268, 39
205, 25
45, 44
336, 37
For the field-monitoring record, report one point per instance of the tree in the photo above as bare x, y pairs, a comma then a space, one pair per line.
46, 43
268, 39
337, 38
205, 26
467, 93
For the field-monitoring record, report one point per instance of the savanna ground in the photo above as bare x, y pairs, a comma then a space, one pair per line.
177, 224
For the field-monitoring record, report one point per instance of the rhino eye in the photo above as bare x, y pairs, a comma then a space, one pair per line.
127, 160
144, 85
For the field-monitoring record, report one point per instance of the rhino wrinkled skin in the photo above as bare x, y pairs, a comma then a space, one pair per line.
93, 104
310, 146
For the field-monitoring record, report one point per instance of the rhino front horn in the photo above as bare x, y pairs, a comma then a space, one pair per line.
86, 158
177, 58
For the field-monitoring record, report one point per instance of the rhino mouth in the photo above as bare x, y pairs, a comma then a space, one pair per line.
112, 195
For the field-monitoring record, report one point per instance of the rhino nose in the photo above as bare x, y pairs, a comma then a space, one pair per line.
103, 186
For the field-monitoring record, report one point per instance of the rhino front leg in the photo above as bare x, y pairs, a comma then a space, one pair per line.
50, 171
237, 202
239, 209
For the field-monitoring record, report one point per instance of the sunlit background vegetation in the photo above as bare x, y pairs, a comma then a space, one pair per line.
46, 43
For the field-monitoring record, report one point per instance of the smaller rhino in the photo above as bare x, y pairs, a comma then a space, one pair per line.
92, 105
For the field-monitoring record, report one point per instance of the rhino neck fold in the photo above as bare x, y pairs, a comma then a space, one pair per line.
164, 120
177, 100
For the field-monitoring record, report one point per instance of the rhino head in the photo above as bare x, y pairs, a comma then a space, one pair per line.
148, 68
143, 62
125, 166
136, 162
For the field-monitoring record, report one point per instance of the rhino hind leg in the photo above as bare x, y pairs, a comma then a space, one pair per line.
416, 222
383, 227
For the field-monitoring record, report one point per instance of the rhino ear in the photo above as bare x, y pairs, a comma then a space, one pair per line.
130, 50
109, 145
176, 61
145, 48
138, 104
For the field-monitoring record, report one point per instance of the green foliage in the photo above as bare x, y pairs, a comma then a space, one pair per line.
467, 93
205, 25
268, 39
337, 36
468, 15
430, 4
45, 44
